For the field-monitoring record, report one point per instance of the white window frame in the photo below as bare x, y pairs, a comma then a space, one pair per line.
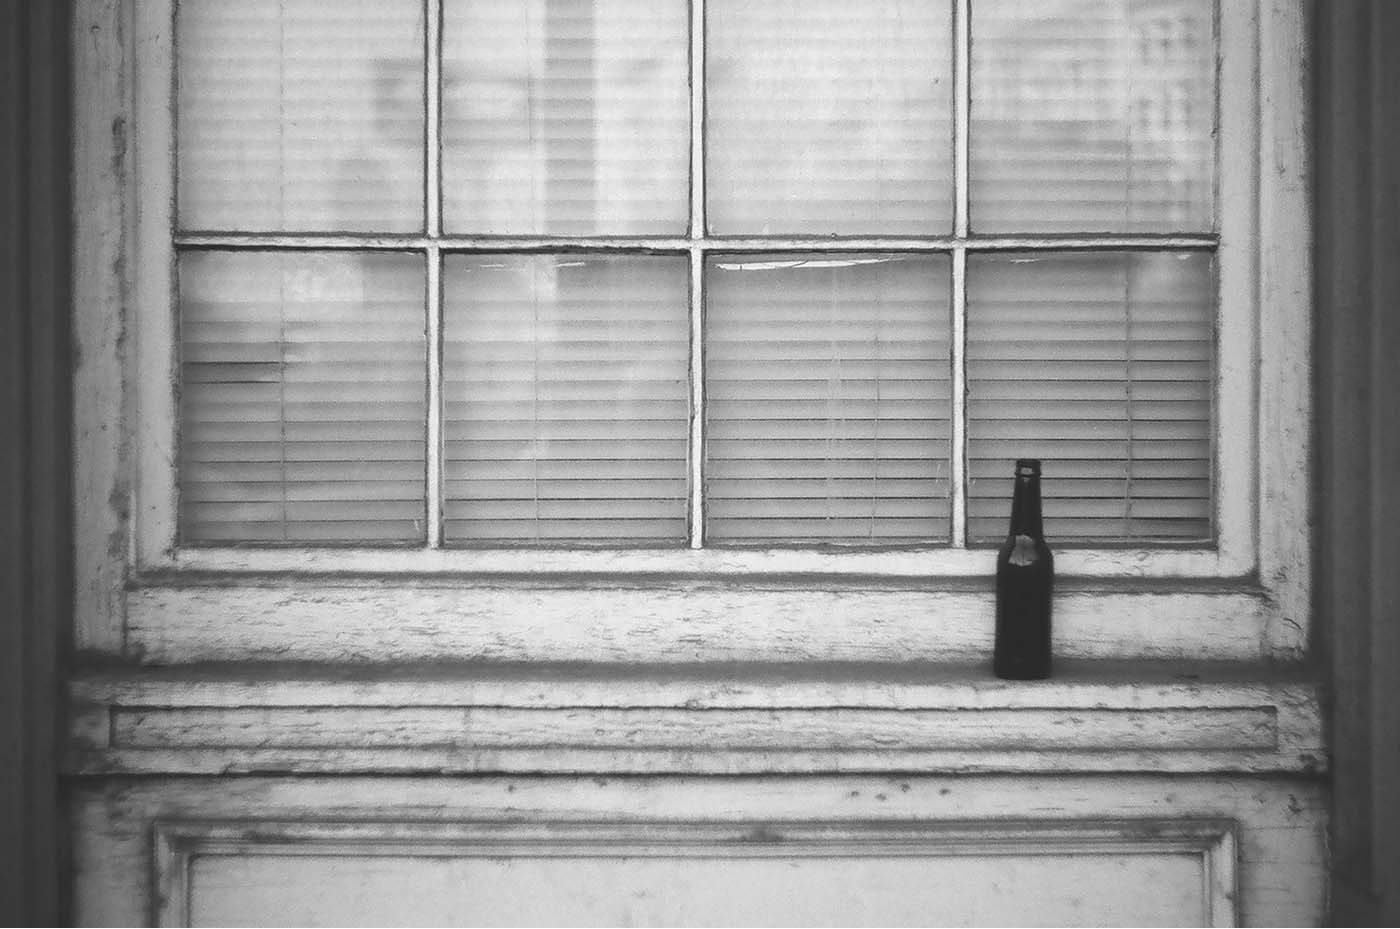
1244, 598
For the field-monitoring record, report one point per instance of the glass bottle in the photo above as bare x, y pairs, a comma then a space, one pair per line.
1025, 583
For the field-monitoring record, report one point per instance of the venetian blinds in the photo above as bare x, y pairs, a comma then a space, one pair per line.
638, 273
829, 398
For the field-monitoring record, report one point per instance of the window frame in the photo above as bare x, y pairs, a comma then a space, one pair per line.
1255, 578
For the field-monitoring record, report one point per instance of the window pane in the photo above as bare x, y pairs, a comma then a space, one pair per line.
566, 399
303, 399
1093, 117
826, 116
1101, 366
828, 399
298, 115
566, 117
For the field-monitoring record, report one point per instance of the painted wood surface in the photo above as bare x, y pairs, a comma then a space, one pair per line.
720, 719
1071, 873
103, 203
1285, 313
1277, 826
384, 622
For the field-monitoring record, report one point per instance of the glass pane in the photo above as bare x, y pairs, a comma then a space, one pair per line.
826, 116
1101, 366
1093, 117
828, 399
303, 399
566, 117
300, 116
566, 399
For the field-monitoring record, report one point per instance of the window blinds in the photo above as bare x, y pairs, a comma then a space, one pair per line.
566, 399
299, 115
567, 376
825, 116
1092, 116
303, 401
565, 117
1099, 364
828, 384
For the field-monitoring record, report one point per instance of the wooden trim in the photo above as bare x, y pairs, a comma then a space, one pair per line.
469, 564
1213, 841
152, 370
102, 201
577, 718
672, 623
1280, 820
1284, 504
718, 245
36, 526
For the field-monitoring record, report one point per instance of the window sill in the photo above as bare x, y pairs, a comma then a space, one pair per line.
681, 620
1124, 561
1093, 717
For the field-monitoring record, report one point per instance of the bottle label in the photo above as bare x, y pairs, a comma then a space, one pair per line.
1023, 551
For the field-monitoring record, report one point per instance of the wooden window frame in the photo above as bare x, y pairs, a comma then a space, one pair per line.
1245, 598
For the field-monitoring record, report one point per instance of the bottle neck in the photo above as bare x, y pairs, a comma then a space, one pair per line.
1025, 505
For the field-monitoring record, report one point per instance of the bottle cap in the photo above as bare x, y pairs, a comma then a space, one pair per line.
1028, 467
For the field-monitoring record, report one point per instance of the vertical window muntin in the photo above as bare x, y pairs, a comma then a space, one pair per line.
433, 245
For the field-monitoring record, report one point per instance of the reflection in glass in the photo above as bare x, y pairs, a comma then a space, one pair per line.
565, 399
827, 380
565, 117
1093, 117
298, 115
303, 397
826, 116
1101, 366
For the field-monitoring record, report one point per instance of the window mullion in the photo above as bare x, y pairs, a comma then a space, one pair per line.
434, 435
696, 450
433, 257
433, 122
962, 107
958, 413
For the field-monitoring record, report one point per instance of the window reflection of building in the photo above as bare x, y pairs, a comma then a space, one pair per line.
565, 117
1122, 100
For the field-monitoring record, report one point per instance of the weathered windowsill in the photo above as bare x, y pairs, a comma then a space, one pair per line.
1094, 716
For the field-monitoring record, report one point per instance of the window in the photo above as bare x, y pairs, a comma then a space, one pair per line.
719, 291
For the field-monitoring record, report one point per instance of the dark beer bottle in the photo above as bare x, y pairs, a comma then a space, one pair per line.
1025, 581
